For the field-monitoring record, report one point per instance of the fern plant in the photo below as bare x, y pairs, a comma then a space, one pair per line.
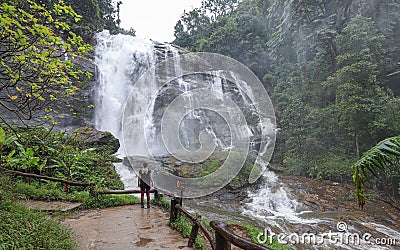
377, 158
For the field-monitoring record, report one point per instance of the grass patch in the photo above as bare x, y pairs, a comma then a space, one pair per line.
184, 226
254, 231
22, 228
51, 192
162, 203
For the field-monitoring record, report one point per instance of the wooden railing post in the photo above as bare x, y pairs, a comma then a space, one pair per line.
174, 213
193, 234
179, 200
220, 242
157, 195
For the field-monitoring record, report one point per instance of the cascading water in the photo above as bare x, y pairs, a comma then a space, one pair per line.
120, 60
272, 204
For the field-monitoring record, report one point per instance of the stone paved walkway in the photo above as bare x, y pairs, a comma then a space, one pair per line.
125, 227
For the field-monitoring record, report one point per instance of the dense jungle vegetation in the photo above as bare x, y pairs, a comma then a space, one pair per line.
332, 69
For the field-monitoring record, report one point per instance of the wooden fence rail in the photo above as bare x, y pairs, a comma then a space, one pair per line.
71, 183
222, 238
197, 225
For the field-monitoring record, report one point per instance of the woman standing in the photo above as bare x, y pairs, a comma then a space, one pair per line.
145, 179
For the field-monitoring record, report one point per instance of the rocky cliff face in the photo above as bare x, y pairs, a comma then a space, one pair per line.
79, 110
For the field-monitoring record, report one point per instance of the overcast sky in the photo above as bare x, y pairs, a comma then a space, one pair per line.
154, 19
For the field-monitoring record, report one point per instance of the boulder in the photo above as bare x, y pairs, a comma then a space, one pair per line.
101, 140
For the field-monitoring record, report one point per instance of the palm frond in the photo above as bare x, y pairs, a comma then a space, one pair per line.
377, 158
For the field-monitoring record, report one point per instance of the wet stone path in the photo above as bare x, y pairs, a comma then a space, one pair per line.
125, 227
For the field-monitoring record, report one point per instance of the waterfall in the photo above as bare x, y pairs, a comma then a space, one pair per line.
120, 60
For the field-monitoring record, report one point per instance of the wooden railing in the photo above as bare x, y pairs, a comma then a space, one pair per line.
197, 224
157, 195
43, 177
222, 238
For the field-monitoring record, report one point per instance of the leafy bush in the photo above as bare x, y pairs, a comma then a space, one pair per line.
334, 167
330, 167
296, 166
56, 154
182, 224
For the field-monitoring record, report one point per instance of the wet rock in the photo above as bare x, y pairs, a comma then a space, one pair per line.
178, 163
101, 140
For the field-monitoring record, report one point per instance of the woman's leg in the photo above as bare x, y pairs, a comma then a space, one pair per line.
142, 195
148, 196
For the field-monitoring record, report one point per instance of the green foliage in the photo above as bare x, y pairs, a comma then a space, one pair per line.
97, 15
26, 159
211, 167
104, 201
35, 72
331, 68
377, 158
2, 141
333, 167
184, 226
22, 228
52, 191
47, 191
254, 231
330, 167
2, 137
162, 203
59, 155
56, 154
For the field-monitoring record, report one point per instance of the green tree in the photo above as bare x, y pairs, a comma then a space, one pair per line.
359, 97
36, 72
332, 66
91, 19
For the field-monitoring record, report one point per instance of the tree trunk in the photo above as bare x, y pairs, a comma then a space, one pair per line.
357, 144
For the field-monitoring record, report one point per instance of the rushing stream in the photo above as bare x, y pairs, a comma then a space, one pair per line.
121, 60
